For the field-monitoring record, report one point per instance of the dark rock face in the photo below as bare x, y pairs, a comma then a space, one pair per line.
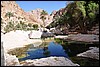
60, 11
47, 34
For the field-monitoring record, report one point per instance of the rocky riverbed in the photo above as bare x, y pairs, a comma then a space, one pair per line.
19, 39
16, 39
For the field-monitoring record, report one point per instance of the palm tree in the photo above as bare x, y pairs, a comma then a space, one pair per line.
75, 15
30, 24
87, 14
9, 14
43, 13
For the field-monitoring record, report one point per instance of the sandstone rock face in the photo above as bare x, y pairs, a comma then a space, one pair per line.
59, 12
53, 12
28, 17
20, 15
37, 16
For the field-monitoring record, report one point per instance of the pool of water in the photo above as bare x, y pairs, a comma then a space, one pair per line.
59, 48
51, 49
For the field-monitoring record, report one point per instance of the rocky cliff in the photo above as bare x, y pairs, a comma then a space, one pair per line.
13, 8
20, 15
59, 12
37, 16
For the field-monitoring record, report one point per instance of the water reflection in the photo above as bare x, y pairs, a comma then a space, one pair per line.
46, 52
53, 49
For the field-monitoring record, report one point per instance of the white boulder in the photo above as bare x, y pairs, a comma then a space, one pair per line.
49, 61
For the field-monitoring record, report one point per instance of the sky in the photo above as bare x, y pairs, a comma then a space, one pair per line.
48, 6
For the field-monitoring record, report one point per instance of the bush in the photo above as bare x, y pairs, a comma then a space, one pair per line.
35, 26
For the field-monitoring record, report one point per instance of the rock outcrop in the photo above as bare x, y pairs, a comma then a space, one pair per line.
37, 16
49, 61
20, 15
83, 38
8, 60
13, 7
11, 60
59, 13
92, 53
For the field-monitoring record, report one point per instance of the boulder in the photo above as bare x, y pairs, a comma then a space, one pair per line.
8, 60
35, 34
84, 37
49, 61
92, 53
11, 60
47, 34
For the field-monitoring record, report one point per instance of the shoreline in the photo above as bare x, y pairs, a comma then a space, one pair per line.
16, 39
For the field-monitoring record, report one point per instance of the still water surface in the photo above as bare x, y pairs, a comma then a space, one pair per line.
52, 49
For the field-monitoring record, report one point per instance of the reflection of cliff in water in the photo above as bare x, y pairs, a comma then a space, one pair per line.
45, 50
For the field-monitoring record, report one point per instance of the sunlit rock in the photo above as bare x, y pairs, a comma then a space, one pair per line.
49, 61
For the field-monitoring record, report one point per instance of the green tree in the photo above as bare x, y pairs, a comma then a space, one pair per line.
30, 24
24, 26
93, 9
9, 14
21, 25
35, 26
6, 29
89, 10
43, 13
9, 27
80, 14
18, 26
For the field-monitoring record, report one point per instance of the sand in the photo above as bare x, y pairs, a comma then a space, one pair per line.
17, 39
